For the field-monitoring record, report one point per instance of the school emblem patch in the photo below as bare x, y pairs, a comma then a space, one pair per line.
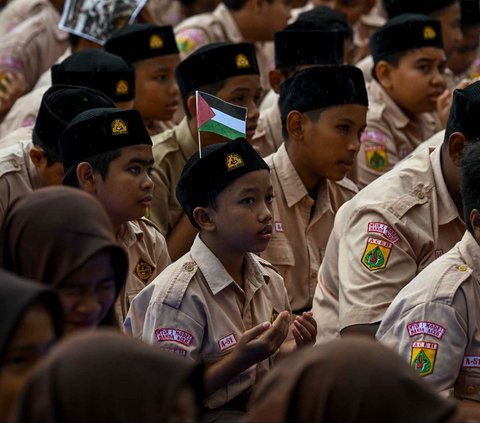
233, 161
189, 39
122, 87
144, 270
423, 357
119, 127
155, 42
376, 254
241, 61
429, 33
376, 157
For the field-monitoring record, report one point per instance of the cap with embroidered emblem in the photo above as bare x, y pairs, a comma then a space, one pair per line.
425, 7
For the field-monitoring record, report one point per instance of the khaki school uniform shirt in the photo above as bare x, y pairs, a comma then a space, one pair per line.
18, 175
301, 227
171, 150
268, 136
147, 257
17, 11
389, 137
389, 232
434, 322
196, 310
215, 27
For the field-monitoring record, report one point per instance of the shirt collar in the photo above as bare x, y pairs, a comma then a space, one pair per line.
223, 15
185, 139
470, 251
129, 234
398, 117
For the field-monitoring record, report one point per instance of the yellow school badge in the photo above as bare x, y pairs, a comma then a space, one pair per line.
233, 161
241, 61
376, 254
122, 87
156, 42
144, 270
423, 357
429, 33
119, 127
376, 157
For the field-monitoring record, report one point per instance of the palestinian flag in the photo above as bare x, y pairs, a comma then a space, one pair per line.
220, 117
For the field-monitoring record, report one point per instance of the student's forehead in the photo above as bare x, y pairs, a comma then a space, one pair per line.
255, 180
427, 53
141, 151
242, 82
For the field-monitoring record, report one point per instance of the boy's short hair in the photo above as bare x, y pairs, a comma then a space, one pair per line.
426, 7
204, 178
470, 185
138, 42
99, 131
100, 70
59, 106
321, 87
327, 18
470, 14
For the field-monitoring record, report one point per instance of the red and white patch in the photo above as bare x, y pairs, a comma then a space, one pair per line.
384, 229
173, 335
374, 135
426, 328
278, 227
438, 253
227, 342
471, 361
178, 351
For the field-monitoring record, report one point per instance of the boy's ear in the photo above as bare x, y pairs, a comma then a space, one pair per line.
86, 178
192, 106
383, 70
456, 144
202, 216
38, 158
295, 125
276, 78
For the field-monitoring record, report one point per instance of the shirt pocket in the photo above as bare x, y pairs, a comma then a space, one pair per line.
467, 385
280, 254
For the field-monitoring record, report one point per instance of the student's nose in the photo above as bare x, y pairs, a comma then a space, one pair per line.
439, 79
174, 90
253, 113
354, 144
265, 214
147, 183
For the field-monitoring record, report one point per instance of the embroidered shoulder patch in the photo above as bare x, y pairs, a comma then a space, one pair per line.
374, 135
426, 328
144, 270
173, 335
376, 157
189, 39
179, 351
423, 357
471, 361
384, 229
227, 342
376, 254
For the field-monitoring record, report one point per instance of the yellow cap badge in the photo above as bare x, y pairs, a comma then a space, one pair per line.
156, 41
121, 87
119, 127
429, 33
233, 161
241, 61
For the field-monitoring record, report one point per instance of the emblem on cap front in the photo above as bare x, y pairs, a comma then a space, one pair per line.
429, 33
233, 161
241, 61
119, 127
121, 87
156, 41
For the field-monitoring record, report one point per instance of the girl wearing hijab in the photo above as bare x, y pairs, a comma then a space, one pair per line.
30, 322
63, 237
349, 380
103, 376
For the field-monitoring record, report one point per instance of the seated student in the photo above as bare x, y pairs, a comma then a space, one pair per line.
346, 381
434, 322
31, 322
323, 113
393, 228
220, 303
408, 80
62, 237
153, 51
108, 153
31, 159
107, 377
227, 71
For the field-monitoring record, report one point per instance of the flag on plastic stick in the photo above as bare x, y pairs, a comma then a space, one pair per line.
218, 116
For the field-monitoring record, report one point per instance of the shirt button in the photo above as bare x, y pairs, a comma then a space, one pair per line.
470, 390
462, 268
314, 275
420, 195
189, 267
14, 163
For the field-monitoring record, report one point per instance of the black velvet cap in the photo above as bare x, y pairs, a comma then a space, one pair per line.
425, 7
204, 178
60, 105
320, 87
97, 69
470, 12
99, 130
404, 33
295, 47
215, 62
138, 42
465, 112
326, 18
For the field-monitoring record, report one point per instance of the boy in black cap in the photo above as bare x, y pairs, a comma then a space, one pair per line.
108, 152
31, 159
408, 81
323, 113
220, 303
228, 71
153, 51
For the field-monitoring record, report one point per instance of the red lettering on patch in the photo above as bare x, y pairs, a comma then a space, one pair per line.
173, 335
384, 229
427, 328
373, 135
227, 342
